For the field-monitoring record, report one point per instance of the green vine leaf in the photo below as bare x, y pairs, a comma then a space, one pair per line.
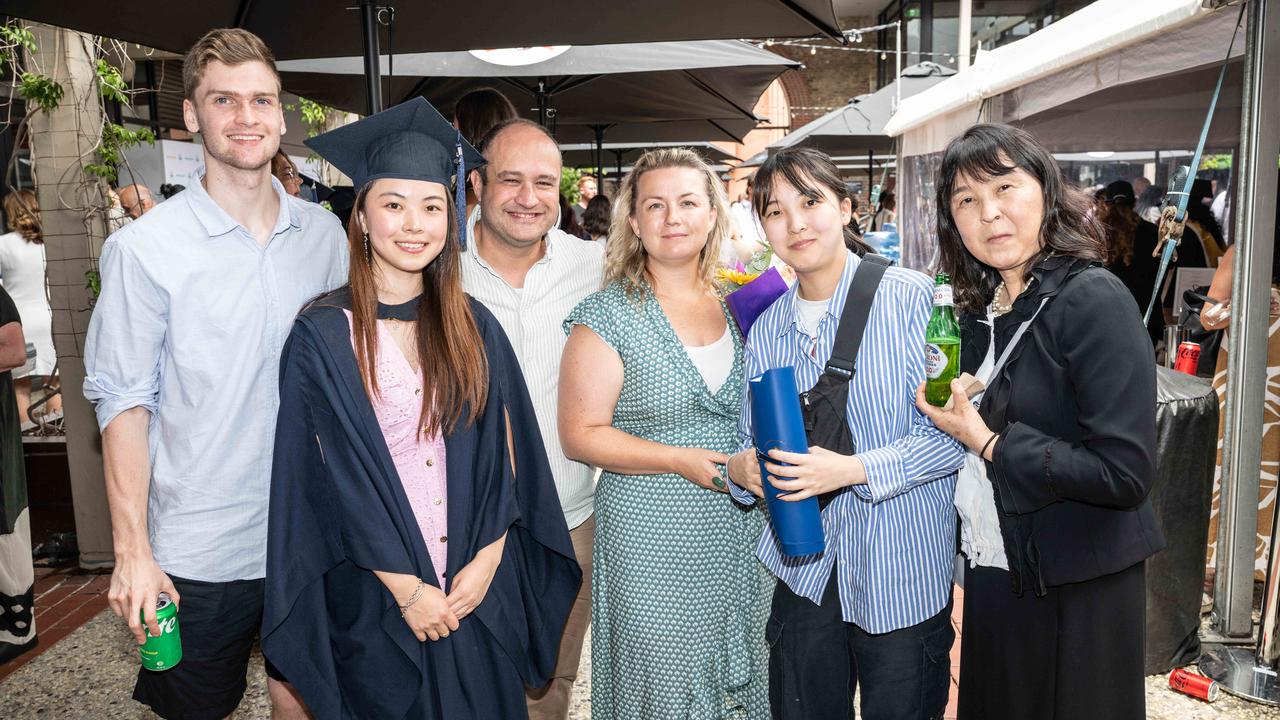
41, 91
12, 38
93, 283
313, 114
111, 83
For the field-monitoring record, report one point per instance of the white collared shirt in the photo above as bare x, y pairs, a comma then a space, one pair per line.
532, 317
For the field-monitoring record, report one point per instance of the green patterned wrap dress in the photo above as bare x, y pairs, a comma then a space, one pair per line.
679, 600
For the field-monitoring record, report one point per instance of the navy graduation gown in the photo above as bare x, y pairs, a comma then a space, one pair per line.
338, 511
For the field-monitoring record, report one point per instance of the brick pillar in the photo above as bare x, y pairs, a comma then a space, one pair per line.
74, 227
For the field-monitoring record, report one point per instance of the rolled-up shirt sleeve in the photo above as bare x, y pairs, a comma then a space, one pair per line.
122, 355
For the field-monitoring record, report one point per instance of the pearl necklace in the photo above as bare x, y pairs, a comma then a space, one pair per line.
996, 306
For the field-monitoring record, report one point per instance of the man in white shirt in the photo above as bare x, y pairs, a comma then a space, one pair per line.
530, 275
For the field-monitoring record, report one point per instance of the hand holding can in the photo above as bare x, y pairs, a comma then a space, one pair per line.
163, 651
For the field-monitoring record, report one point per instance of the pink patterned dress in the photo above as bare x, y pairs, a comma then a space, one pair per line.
419, 461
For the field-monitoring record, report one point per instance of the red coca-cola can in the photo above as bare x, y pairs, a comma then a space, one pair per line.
1197, 686
1188, 358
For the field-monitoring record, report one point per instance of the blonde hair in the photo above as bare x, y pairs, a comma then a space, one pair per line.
23, 214
229, 46
625, 255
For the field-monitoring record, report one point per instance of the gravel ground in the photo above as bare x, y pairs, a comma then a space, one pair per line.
89, 674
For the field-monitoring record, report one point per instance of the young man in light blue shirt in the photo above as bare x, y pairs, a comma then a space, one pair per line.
181, 363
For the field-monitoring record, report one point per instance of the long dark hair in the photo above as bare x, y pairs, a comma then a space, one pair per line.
451, 354
803, 168
596, 217
991, 150
1121, 222
479, 111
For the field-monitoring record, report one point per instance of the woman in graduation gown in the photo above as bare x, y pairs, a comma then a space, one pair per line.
418, 563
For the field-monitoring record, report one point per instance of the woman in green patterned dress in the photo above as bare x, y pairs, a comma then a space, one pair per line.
650, 389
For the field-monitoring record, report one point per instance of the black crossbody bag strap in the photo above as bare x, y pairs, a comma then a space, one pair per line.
853, 320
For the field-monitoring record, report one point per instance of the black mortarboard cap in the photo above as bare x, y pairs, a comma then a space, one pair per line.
411, 141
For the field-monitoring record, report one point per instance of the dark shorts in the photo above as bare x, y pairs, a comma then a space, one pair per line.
218, 622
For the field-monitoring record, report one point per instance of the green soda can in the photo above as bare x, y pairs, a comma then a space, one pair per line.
163, 651
942, 344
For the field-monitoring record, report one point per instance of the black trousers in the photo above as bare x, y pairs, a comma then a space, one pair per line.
816, 661
1077, 652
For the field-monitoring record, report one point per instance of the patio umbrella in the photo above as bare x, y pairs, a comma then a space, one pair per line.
589, 155
336, 28
858, 127
589, 85
596, 87
584, 154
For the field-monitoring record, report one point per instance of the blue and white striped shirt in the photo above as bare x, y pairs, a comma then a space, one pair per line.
893, 539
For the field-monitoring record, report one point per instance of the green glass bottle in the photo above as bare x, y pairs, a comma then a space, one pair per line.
942, 344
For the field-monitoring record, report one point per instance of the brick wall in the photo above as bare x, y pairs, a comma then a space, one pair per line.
830, 78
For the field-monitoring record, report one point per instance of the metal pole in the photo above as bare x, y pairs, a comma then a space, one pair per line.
372, 72
1247, 345
1249, 673
966, 31
871, 177
599, 155
541, 97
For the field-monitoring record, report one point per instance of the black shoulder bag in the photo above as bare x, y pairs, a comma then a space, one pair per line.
824, 405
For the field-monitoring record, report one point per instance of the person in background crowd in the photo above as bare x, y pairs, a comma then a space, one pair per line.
1221, 209
1203, 225
136, 199
1218, 315
745, 233
530, 274
17, 576
1140, 185
745, 222
569, 220
595, 219
287, 173
650, 387
1149, 204
22, 273
169, 190
1055, 519
587, 189
181, 364
401, 366
474, 115
479, 111
855, 220
872, 613
1130, 244
888, 211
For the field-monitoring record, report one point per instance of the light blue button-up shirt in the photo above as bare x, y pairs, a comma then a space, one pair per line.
190, 324
891, 541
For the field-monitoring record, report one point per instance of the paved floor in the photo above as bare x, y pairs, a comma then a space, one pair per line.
86, 662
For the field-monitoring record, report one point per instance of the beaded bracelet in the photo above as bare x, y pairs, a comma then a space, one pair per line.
417, 593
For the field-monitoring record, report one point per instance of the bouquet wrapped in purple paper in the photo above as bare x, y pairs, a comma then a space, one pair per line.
752, 298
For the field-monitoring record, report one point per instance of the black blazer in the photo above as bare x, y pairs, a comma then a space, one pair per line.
1075, 409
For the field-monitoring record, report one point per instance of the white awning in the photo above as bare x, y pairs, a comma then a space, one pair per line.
1095, 50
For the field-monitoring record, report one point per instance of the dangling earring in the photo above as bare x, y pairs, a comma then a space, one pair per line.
368, 253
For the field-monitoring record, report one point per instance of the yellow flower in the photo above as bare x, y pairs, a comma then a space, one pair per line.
729, 275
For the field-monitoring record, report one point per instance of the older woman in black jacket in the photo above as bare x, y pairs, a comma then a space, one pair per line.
1055, 521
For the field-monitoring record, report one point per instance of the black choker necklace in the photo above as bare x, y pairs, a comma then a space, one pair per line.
407, 311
